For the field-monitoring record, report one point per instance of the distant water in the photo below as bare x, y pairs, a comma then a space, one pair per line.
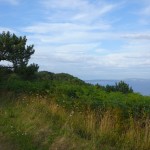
141, 86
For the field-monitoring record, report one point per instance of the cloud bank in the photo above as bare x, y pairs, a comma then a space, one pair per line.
90, 39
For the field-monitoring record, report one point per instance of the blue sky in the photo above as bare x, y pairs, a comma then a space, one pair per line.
90, 39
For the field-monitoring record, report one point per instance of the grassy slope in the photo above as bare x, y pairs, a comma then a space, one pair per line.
64, 113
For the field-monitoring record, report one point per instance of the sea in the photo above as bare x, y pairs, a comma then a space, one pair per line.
141, 86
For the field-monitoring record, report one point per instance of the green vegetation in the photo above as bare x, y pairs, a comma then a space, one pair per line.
14, 49
47, 111
119, 87
59, 111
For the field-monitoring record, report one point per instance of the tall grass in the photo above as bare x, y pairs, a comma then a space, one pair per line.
39, 122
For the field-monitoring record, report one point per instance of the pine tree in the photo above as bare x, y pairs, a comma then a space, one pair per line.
15, 50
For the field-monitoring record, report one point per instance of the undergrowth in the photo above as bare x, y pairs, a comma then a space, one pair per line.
40, 122
61, 112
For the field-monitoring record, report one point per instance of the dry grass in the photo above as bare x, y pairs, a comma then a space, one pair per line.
49, 126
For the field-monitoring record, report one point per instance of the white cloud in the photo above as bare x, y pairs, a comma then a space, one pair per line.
140, 36
12, 2
132, 55
93, 13
143, 11
73, 35
64, 4
4, 29
78, 10
146, 11
64, 27
71, 40
82, 59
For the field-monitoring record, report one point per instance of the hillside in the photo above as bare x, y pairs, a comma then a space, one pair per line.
59, 111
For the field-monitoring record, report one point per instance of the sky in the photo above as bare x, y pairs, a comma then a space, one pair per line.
90, 39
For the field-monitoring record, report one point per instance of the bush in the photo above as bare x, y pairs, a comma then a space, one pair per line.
29, 72
123, 87
119, 87
4, 72
13, 77
45, 75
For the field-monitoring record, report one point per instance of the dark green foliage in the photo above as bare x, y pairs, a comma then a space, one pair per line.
68, 78
6, 44
100, 86
74, 94
60, 77
4, 72
28, 72
14, 49
119, 87
20, 86
45, 75
123, 87
110, 88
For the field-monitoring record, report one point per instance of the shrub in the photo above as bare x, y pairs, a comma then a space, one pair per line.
119, 87
4, 72
123, 87
28, 73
